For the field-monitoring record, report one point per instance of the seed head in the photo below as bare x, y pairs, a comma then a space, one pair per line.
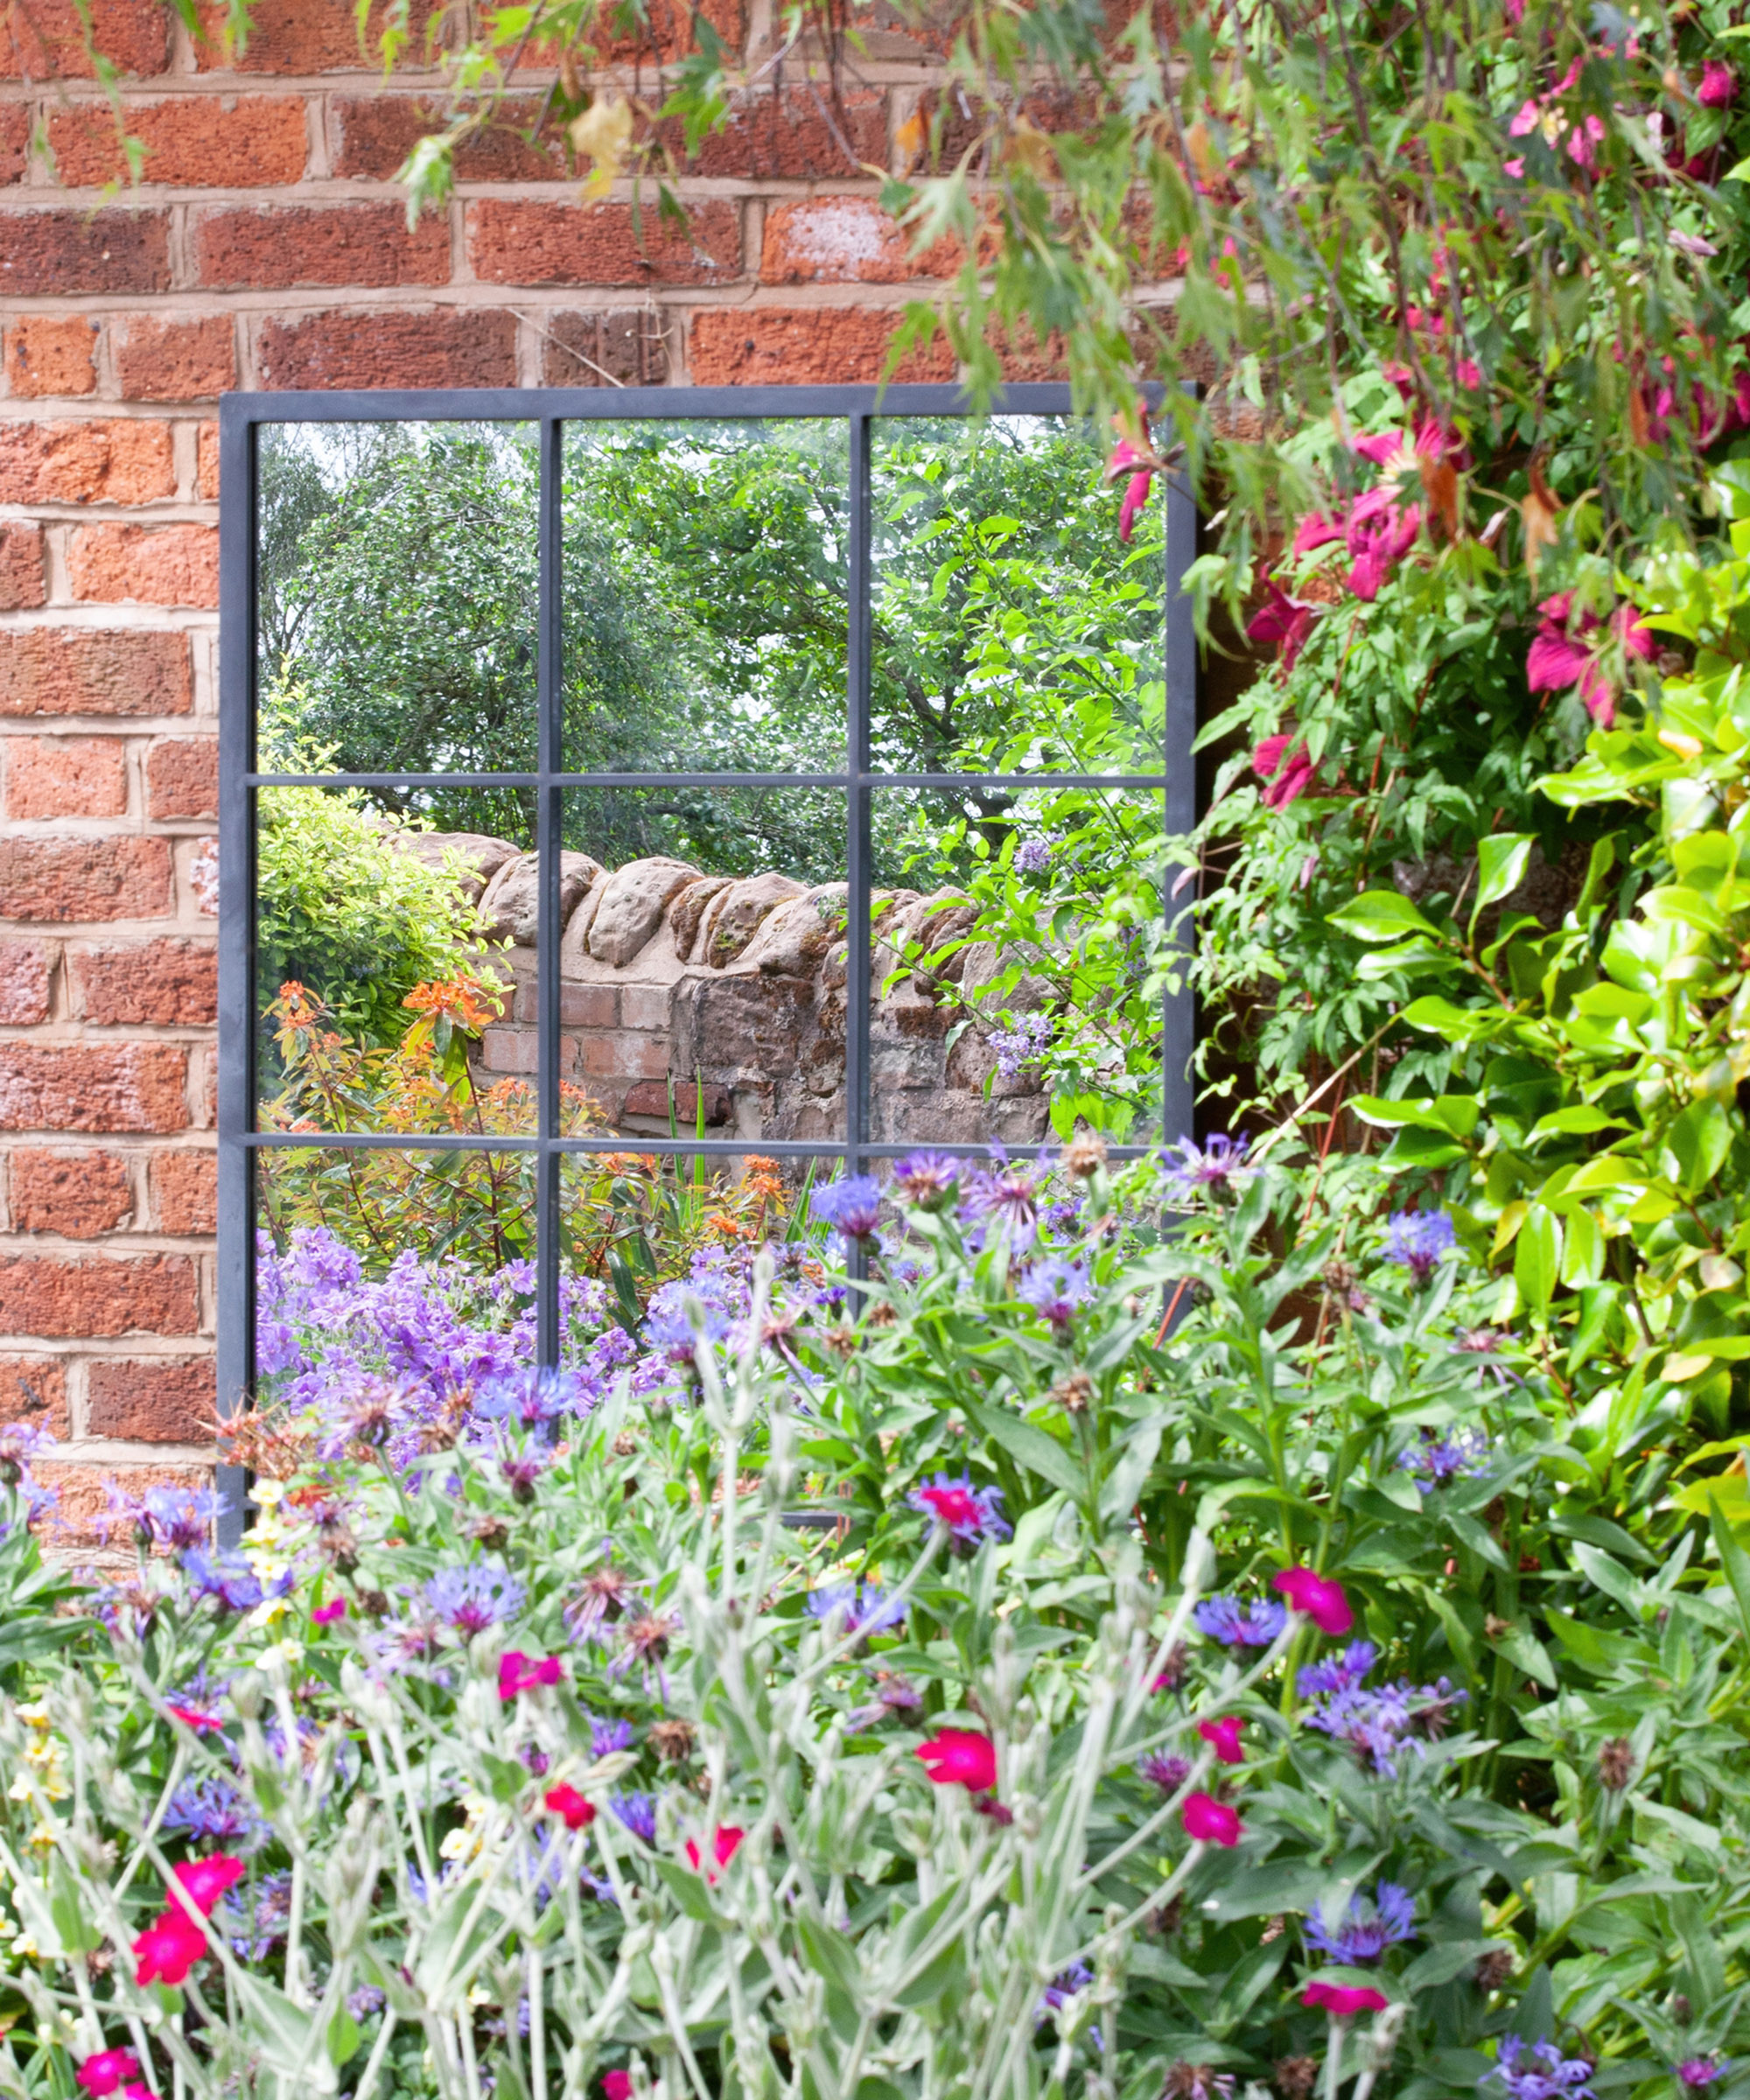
1073, 1392
1295, 2076
1084, 1156
1616, 1763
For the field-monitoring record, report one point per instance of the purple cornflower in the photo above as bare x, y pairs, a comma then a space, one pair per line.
214, 1810
1169, 1774
637, 1812
1033, 857
1055, 1288
969, 1512
534, 1398
1337, 1673
1694, 2072
522, 1469
1003, 1194
1021, 1046
678, 1319
1486, 1344
1064, 1986
1215, 1171
258, 1933
1436, 1461
607, 1737
228, 1579
1368, 1928
929, 1178
867, 1611
1537, 2070
1416, 1239
20, 1444
1237, 1625
1378, 1723
179, 1517
851, 1206
472, 1598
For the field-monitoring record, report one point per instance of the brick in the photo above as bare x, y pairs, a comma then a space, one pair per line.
58, 253
145, 565
21, 567
623, 1057
66, 776
48, 355
309, 36
182, 778
644, 1007
81, 1195
15, 141
84, 1510
164, 984
373, 134
650, 1097
185, 1193
441, 347
528, 243
86, 462
85, 1299
206, 462
45, 38
60, 671
174, 360
33, 1390
845, 241
154, 1402
628, 345
99, 1086
88, 879
508, 1050
812, 346
268, 247
589, 1005
796, 138
232, 142
23, 984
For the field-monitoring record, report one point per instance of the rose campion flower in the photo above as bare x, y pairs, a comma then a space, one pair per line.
1210, 1821
566, 1802
960, 1756
325, 1614
192, 1716
727, 1841
168, 1949
1321, 1600
204, 1880
518, 1672
1223, 1737
108, 2072
1342, 2001
968, 1512
616, 2085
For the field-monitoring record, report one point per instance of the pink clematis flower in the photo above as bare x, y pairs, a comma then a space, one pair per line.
727, 1841
168, 1949
1342, 2001
518, 1672
107, 2073
566, 1802
1559, 657
203, 1882
325, 1614
1315, 530
1321, 1600
1286, 766
1283, 620
1223, 1736
1379, 532
1718, 89
960, 1756
1208, 1821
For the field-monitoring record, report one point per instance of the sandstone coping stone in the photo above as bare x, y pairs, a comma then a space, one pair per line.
630, 907
737, 914
793, 941
512, 898
688, 907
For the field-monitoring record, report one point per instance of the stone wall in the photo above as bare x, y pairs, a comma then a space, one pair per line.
267, 246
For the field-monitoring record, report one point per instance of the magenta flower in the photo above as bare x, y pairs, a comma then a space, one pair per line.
1127, 456
1342, 2001
1316, 530
1718, 89
325, 1614
959, 1756
1560, 656
107, 2073
518, 1672
1281, 620
1210, 1821
203, 1882
1223, 1737
1286, 766
1322, 1601
1379, 532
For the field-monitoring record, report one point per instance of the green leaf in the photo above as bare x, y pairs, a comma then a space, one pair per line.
1536, 1257
1733, 1560
1379, 915
1039, 1453
1500, 865
687, 1888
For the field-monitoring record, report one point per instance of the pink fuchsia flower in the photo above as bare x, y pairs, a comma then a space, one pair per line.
168, 1949
1718, 89
1210, 1821
1286, 766
518, 1672
1342, 2001
1322, 1601
1223, 1737
203, 1882
192, 1716
566, 1802
616, 2085
725, 1843
325, 1614
959, 1757
107, 2073
1281, 620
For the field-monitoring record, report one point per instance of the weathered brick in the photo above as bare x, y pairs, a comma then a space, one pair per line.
49, 353
174, 360
23, 984
185, 1193
60, 253
81, 1195
33, 1390
310, 35
182, 778
88, 879
111, 462
441, 347
589, 1005
799, 137
190, 140
845, 241
91, 1299
75, 671
811, 346
15, 141
206, 458
66, 776
99, 1087
268, 248
21, 567
521, 241
45, 38
626, 345
153, 1402
374, 133
145, 565
650, 1097
166, 983
84, 1511
622, 1057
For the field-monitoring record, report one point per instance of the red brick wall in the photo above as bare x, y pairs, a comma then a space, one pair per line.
267, 246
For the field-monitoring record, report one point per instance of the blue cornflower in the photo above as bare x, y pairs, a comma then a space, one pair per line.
472, 1598
228, 1579
1216, 1169
607, 1737
179, 1517
1368, 1928
1055, 1288
1337, 1673
21, 1442
969, 1512
1437, 1459
637, 1812
365, 2001
215, 1811
1065, 1985
1537, 2070
929, 1178
264, 1926
670, 1322
852, 1205
870, 1610
1006, 1195
1237, 1625
1416, 1239
533, 1398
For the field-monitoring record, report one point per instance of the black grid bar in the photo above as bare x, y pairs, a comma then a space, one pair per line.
546, 413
